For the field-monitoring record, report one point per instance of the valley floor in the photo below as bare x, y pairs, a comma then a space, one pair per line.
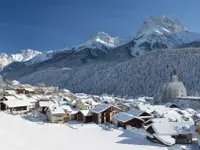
18, 133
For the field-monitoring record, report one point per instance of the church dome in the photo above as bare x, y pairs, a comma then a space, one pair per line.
175, 89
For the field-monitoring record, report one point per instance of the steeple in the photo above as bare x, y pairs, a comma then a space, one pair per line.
175, 76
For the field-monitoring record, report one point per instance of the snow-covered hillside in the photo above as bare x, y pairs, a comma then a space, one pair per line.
25, 55
161, 32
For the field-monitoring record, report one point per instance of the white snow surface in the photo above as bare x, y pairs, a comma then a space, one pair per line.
19, 133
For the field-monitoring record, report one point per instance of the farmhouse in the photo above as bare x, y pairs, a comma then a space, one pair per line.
103, 113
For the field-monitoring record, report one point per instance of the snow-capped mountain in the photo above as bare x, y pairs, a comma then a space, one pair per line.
161, 32
101, 41
24, 55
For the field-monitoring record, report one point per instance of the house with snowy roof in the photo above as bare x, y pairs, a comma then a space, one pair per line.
43, 102
123, 119
103, 113
56, 114
70, 112
170, 133
86, 103
14, 105
84, 116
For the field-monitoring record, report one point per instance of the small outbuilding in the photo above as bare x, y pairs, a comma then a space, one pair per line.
84, 116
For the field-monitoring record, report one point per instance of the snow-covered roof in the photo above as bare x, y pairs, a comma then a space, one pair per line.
102, 107
13, 102
44, 103
123, 117
88, 101
75, 111
10, 92
72, 103
66, 108
146, 107
174, 128
169, 104
55, 109
159, 120
135, 112
166, 139
86, 112
31, 100
21, 96
30, 89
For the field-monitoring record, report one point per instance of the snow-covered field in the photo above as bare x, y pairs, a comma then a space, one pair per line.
17, 133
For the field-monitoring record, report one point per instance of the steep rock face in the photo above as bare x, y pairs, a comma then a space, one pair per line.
161, 33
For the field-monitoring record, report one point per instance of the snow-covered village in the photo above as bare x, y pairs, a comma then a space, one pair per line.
47, 117
99, 75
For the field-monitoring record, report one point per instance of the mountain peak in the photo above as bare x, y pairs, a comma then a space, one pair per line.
24, 55
161, 32
100, 40
103, 38
161, 25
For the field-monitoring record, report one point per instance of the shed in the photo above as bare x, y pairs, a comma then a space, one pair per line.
84, 116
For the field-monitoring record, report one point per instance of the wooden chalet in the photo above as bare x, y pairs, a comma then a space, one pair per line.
123, 119
103, 113
84, 116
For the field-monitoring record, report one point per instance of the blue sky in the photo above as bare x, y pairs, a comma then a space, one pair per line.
55, 24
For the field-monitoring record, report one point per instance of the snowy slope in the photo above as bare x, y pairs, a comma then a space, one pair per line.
161, 32
29, 133
25, 55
